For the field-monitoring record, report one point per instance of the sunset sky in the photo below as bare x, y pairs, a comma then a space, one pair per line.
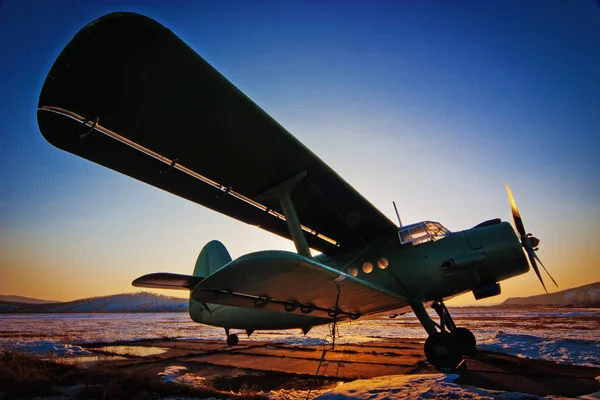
432, 104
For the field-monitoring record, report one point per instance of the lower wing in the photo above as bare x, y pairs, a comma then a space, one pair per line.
287, 282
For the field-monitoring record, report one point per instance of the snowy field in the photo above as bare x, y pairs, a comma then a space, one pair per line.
562, 335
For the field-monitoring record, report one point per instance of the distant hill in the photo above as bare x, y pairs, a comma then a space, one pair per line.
119, 303
583, 296
21, 299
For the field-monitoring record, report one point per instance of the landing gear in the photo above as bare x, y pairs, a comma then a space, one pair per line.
447, 343
462, 336
442, 350
232, 339
465, 340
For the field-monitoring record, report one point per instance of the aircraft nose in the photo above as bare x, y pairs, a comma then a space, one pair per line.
504, 257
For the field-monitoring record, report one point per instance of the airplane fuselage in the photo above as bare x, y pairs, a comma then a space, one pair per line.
474, 259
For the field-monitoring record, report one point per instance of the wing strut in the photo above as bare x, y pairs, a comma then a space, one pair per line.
282, 192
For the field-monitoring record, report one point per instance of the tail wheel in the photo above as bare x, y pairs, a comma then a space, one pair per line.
466, 341
442, 351
232, 339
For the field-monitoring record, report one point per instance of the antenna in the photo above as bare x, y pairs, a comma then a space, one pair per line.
397, 215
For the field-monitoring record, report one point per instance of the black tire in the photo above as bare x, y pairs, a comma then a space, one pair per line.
466, 341
232, 340
442, 351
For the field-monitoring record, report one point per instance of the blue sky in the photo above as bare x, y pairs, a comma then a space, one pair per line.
431, 104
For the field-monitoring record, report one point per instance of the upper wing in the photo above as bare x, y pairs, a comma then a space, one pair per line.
283, 281
154, 102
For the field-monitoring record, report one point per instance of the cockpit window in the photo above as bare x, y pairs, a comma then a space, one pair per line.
422, 232
418, 231
404, 236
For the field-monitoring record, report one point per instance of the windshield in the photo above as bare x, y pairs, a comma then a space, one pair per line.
422, 232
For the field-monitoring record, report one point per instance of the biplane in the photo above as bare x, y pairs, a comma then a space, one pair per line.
128, 94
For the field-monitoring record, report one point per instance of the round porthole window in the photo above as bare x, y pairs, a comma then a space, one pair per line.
367, 267
383, 262
353, 271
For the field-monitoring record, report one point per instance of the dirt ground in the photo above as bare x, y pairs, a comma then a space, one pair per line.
273, 366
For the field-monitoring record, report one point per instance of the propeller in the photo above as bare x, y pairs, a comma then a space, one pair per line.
529, 242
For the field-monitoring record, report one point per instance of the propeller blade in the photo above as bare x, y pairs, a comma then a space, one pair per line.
531, 255
540, 261
515, 213
528, 241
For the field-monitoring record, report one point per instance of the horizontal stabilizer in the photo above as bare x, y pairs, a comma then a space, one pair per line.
164, 280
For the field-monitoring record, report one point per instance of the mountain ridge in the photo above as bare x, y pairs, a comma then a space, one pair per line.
118, 303
582, 296
23, 299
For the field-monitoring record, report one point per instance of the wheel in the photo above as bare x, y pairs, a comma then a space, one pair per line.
232, 339
442, 351
466, 340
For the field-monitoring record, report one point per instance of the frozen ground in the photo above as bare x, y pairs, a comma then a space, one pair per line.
430, 386
436, 386
566, 351
562, 335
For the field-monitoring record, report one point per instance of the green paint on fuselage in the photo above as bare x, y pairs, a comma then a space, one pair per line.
482, 255
489, 254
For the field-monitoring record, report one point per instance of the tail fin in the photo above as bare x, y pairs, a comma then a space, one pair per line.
212, 257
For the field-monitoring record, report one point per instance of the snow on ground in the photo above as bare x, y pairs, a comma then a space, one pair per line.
177, 374
46, 348
436, 386
567, 351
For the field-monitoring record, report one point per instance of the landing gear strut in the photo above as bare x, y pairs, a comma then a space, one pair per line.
446, 344
232, 339
462, 336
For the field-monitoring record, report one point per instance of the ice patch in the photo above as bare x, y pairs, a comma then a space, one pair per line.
436, 386
175, 373
566, 351
303, 341
47, 348
170, 374
141, 351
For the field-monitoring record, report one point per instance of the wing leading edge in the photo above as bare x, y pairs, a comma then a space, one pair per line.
287, 282
127, 74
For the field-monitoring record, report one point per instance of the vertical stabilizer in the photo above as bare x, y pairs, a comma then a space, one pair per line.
212, 257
